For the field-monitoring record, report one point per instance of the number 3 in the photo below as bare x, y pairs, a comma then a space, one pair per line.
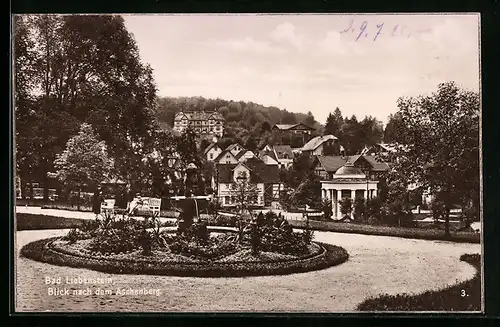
462, 293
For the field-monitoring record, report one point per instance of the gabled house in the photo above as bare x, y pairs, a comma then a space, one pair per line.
226, 157
234, 148
317, 145
265, 178
281, 155
212, 151
284, 155
244, 155
269, 157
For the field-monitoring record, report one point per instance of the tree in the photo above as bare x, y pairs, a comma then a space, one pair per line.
77, 75
345, 206
244, 192
440, 149
393, 128
84, 162
334, 122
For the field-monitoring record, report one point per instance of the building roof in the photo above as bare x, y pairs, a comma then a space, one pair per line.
242, 153
349, 169
332, 163
299, 126
198, 115
259, 172
210, 146
222, 154
282, 150
316, 142
377, 165
271, 154
232, 146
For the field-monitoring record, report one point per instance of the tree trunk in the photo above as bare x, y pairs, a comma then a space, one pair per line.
447, 222
78, 199
23, 188
45, 180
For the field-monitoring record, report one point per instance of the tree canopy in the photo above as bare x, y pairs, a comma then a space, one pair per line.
68, 72
438, 144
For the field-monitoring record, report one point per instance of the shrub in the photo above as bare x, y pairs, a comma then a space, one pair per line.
359, 209
119, 236
372, 220
76, 235
326, 207
345, 206
209, 251
223, 220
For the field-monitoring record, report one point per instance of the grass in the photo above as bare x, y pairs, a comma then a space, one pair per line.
27, 221
403, 232
42, 251
465, 296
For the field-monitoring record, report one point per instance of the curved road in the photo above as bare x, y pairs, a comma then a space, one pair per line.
377, 264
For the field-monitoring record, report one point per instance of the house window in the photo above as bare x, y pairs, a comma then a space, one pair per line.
211, 155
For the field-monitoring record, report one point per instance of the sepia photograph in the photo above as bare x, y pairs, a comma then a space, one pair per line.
247, 163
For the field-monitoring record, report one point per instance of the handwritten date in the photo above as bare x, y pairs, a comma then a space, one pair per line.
373, 31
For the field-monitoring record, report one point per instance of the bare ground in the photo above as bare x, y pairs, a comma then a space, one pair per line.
377, 264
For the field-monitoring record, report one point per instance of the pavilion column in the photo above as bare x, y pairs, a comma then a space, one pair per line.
365, 194
337, 209
353, 197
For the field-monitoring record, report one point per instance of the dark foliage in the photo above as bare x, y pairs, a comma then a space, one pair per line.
27, 221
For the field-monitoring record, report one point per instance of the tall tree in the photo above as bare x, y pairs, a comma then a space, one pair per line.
394, 128
84, 162
24, 81
334, 123
81, 76
441, 145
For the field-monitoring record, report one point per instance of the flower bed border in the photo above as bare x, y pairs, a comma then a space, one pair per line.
330, 255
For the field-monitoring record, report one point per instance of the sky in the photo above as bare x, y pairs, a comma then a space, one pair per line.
359, 63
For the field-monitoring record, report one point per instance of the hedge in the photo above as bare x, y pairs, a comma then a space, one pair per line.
403, 232
330, 255
28, 221
465, 296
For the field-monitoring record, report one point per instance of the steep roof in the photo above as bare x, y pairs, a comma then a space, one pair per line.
222, 154
331, 163
286, 127
271, 154
377, 165
232, 146
281, 150
316, 142
242, 153
210, 146
259, 172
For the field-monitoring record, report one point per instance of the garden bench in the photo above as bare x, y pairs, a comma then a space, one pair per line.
154, 205
108, 207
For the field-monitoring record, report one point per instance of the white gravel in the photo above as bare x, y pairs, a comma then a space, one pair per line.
377, 264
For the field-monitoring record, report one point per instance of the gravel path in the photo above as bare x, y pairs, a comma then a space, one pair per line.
377, 264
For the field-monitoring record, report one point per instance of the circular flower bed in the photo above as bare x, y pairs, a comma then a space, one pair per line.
129, 247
